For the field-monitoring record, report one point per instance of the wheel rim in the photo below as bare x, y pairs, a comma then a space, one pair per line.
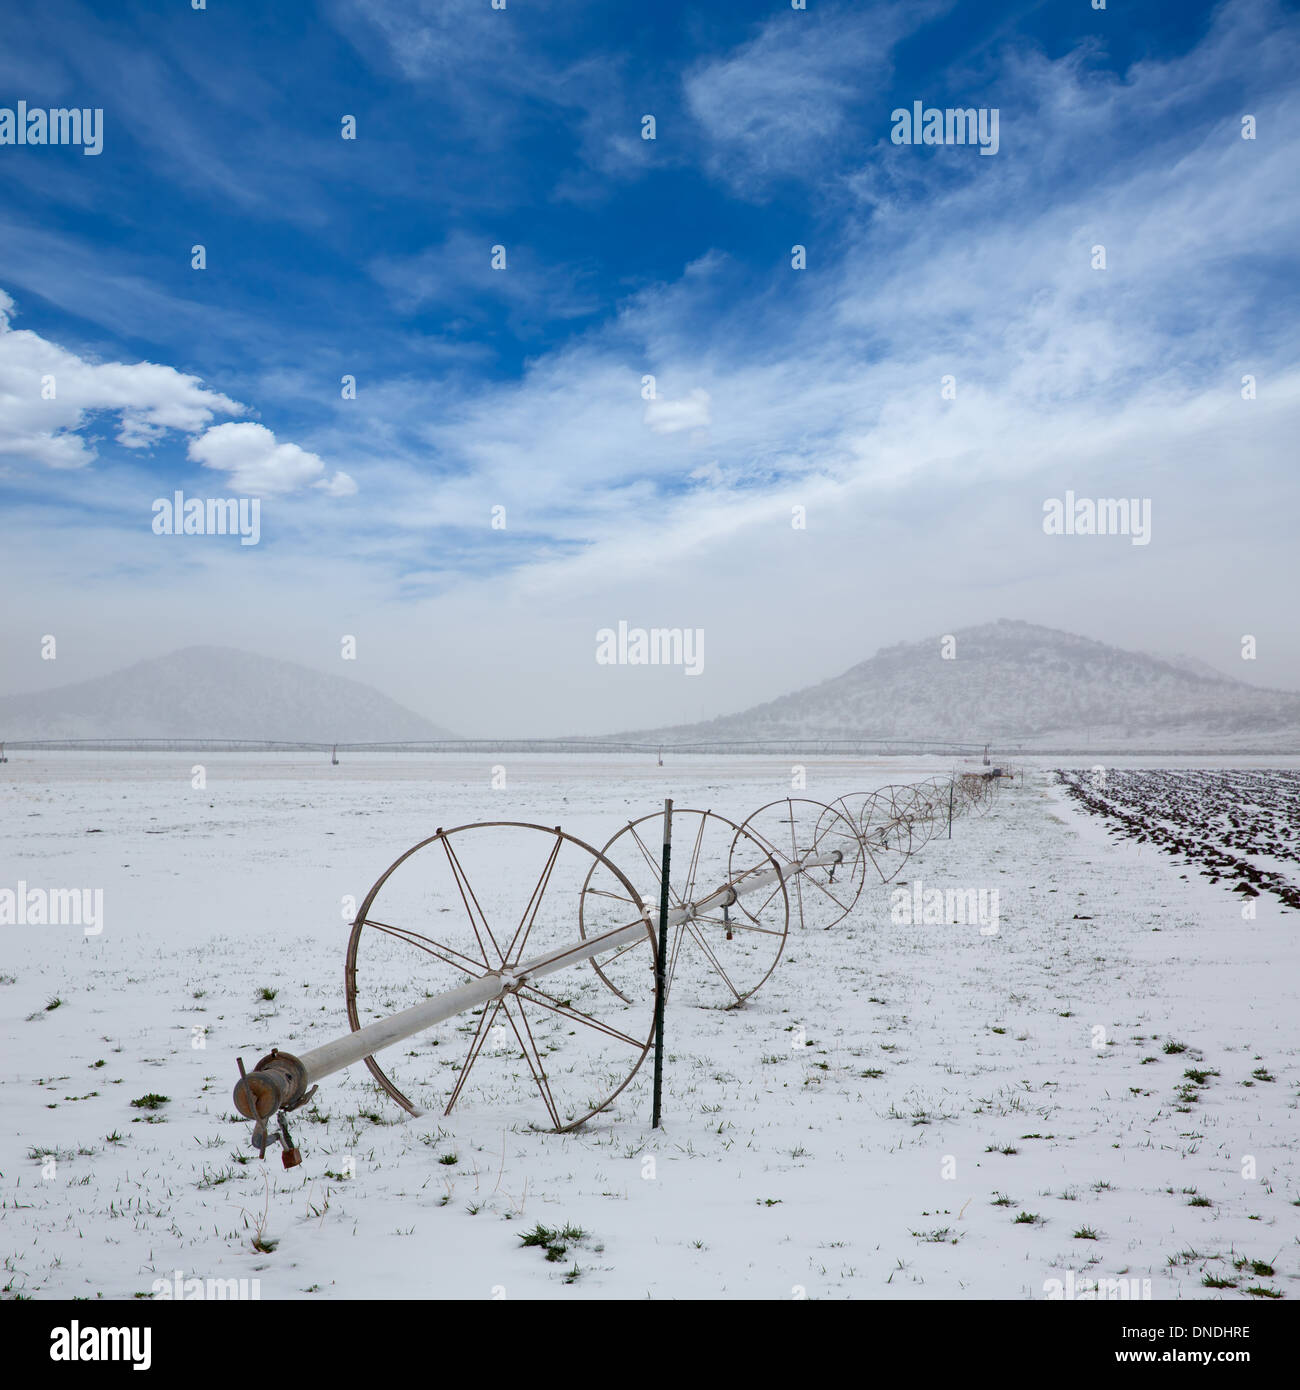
734, 951
579, 1047
796, 828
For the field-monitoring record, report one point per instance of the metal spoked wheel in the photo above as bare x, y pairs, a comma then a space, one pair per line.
797, 829
485, 899
935, 795
853, 804
977, 791
886, 836
914, 804
733, 946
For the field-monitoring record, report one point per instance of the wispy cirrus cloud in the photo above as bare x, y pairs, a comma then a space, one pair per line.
489, 68
778, 105
827, 389
459, 276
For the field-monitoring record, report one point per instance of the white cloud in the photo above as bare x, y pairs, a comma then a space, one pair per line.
433, 38
258, 464
689, 413
147, 399
50, 398
770, 107
340, 485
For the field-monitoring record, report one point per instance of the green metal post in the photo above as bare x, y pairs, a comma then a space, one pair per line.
661, 966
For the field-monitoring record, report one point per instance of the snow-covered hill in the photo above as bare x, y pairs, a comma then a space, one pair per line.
1020, 682
214, 692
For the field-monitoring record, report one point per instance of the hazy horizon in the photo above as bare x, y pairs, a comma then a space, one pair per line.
508, 731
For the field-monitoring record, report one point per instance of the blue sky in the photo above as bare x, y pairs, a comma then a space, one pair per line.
522, 387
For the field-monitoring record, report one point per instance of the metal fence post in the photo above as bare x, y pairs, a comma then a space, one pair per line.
661, 972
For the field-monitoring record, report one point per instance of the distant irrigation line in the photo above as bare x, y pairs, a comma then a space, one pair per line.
806, 747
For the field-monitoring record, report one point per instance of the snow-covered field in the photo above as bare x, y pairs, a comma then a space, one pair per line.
880, 1120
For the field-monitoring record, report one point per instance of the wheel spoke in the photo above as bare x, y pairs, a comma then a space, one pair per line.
715, 962
652, 863
558, 1006
657, 866
763, 840
762, 907
622, 951
534, 904
734, 924
695, 859
475, 1047
533, 1056
605, 893
447, 954
467, 896
678, 934
822, 887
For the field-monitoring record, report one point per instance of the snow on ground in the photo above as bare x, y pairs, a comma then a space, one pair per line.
950, 1084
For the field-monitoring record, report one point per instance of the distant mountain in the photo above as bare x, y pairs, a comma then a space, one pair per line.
215, 692
1194, 666
1018, 682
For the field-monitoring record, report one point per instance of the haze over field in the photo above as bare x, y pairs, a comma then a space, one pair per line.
1022, 683
1010, 682
214, 692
